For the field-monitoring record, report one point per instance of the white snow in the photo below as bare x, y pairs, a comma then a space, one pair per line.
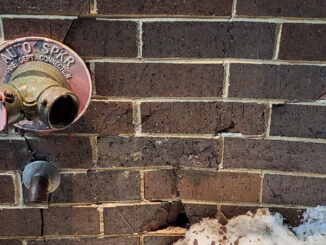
260, 229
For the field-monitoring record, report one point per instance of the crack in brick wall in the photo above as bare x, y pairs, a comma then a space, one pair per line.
209, 109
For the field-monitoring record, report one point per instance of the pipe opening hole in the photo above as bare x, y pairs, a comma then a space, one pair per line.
63, 111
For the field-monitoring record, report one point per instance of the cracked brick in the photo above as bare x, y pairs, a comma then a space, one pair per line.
118, 151
295, 190
106, 118
88, 188
205, 118
16, 154
138, 218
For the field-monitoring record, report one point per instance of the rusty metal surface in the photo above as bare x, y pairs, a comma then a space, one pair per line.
57, 61
38, 190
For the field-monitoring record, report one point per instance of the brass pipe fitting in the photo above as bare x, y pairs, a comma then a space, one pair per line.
37, 90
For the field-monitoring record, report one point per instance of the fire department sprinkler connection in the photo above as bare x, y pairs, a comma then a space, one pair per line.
44, 85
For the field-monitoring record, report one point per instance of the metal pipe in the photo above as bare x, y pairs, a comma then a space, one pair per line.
38, 90
40, 178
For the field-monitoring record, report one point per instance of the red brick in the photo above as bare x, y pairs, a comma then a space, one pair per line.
71, 221
87, 241
20, 222
7, 190
106, 118
217, 186
16, 154
161, 240
303, 42
91, 37
289, 82
288, 8
205, 118
292, 216
51, 28
63, 151
96, 187
159, 80
163, 8
196, 212
299, 121
208, 40
295, 190
139, 218
160, 184
118, 151
45, 7
274, 155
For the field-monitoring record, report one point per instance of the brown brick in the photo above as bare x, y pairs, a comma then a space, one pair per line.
217, 186
290, 82
288, 8
161, 240
291, 216
45, 7
20, 222
159, 80
208, 40
295, 190
91, 37
7, 190
138, 218
195, 212
87, 241
160, 184
71, 221
162, 8
98, 187
51, 28
106, 118
274, 155
118, 151
205, 118
303, 42
16, 154
63, 151
10, 242
299, 121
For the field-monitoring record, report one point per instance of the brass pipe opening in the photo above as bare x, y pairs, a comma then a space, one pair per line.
37, 90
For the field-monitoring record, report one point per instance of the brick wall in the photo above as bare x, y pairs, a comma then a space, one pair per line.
200, 109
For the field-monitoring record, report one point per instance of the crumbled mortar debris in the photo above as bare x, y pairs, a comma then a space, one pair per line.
261, 228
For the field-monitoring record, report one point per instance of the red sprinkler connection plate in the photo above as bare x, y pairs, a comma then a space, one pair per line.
23, 50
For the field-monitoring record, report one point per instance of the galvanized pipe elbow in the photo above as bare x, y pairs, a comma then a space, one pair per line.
40, 178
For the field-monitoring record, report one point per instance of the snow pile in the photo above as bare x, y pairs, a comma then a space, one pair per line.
261, 228
313, 228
